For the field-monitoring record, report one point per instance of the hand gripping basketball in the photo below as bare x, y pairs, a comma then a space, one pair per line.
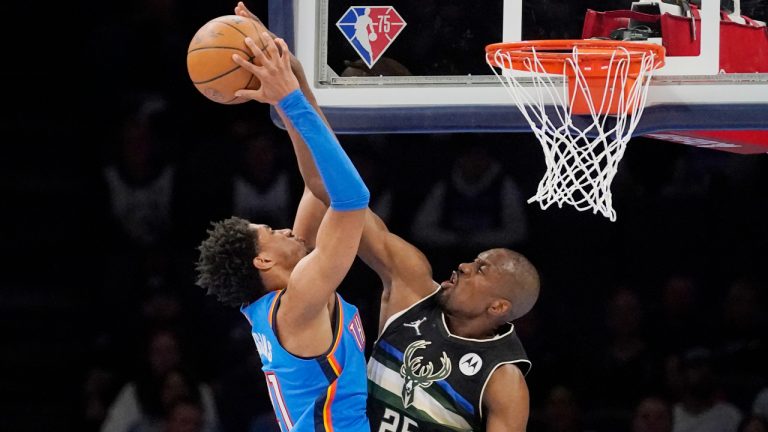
244, 12
275, 74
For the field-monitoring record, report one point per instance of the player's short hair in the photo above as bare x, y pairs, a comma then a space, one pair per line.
225, 267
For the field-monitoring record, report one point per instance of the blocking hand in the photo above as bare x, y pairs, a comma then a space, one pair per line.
274, 73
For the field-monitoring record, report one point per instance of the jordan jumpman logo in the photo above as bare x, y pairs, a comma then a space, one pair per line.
415, 325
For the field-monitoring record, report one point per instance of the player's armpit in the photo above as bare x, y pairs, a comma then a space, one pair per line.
308, 217
317, 275
506, 400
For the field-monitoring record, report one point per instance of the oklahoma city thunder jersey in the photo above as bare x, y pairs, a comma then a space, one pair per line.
323, 393
422, 378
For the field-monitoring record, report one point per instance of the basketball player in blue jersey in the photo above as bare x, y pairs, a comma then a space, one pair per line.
447, 357
310, 341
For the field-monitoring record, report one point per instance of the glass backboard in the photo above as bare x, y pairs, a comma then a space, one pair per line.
424, 69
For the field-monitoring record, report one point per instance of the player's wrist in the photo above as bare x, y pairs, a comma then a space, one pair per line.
290, 99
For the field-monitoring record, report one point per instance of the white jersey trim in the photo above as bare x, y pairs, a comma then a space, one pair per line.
482, 392
399, 314
495, 337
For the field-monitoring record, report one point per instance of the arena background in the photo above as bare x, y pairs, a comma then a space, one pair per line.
98, 90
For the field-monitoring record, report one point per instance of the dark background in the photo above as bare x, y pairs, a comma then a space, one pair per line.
81, 296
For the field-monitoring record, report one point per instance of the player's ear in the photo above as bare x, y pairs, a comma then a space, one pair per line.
263, 261
500, 307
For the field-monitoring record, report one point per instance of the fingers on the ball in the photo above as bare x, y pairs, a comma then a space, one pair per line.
269, 44
248, 94
250, 67
253, 47
284, 50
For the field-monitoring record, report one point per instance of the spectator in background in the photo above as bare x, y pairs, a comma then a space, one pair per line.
241, 390
98, 391
485, 209
142, 402
742, 342
699, 410
754, 423
680, 323
261, 188
626, 368
185, 415
653, 414
760, 405
562, 412
367, 153
140, 181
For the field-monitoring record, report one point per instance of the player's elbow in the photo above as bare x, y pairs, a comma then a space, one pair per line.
356, 201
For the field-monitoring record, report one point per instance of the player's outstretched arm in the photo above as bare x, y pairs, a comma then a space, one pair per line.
405, 272
317, 275
506, 400
311, 209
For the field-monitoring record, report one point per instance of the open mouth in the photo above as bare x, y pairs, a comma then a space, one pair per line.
452, 281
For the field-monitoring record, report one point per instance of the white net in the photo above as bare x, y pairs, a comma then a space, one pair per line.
582, 152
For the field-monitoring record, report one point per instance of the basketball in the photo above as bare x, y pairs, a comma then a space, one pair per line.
372, 37
209, 57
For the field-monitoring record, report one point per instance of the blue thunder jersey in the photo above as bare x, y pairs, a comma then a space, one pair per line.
323, 393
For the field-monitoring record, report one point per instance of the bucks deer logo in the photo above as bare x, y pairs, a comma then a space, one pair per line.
421, 375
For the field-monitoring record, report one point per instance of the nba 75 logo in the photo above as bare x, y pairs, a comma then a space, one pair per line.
371, 30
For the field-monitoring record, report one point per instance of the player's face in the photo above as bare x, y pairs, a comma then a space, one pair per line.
470, 289
281, 245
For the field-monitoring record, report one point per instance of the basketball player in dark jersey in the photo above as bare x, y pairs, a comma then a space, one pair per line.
447, 357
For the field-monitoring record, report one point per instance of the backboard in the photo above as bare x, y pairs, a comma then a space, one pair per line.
425, 70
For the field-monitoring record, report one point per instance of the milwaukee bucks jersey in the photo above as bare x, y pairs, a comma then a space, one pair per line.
422, 378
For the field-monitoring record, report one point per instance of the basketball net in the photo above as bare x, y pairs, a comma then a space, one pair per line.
582, 122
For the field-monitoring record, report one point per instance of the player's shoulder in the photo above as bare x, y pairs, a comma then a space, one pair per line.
505, 380
260, 307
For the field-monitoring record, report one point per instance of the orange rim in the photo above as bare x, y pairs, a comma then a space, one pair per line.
553, 53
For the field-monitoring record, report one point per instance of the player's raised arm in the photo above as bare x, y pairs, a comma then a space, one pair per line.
405, 272
318, 274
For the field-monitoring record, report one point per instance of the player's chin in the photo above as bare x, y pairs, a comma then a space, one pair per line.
443, 297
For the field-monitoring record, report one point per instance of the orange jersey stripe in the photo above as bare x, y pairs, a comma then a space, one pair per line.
334, 364
327, 421
272, 307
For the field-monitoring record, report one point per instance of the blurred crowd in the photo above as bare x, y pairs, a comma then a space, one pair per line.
657, 322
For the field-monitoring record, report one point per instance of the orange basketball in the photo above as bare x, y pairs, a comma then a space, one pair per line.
209, 57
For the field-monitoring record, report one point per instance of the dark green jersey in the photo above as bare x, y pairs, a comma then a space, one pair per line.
422, 378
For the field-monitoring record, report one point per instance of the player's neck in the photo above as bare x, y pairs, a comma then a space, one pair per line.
470, 328
276, 278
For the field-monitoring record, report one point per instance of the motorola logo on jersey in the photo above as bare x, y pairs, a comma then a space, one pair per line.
371, 30
470, 364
